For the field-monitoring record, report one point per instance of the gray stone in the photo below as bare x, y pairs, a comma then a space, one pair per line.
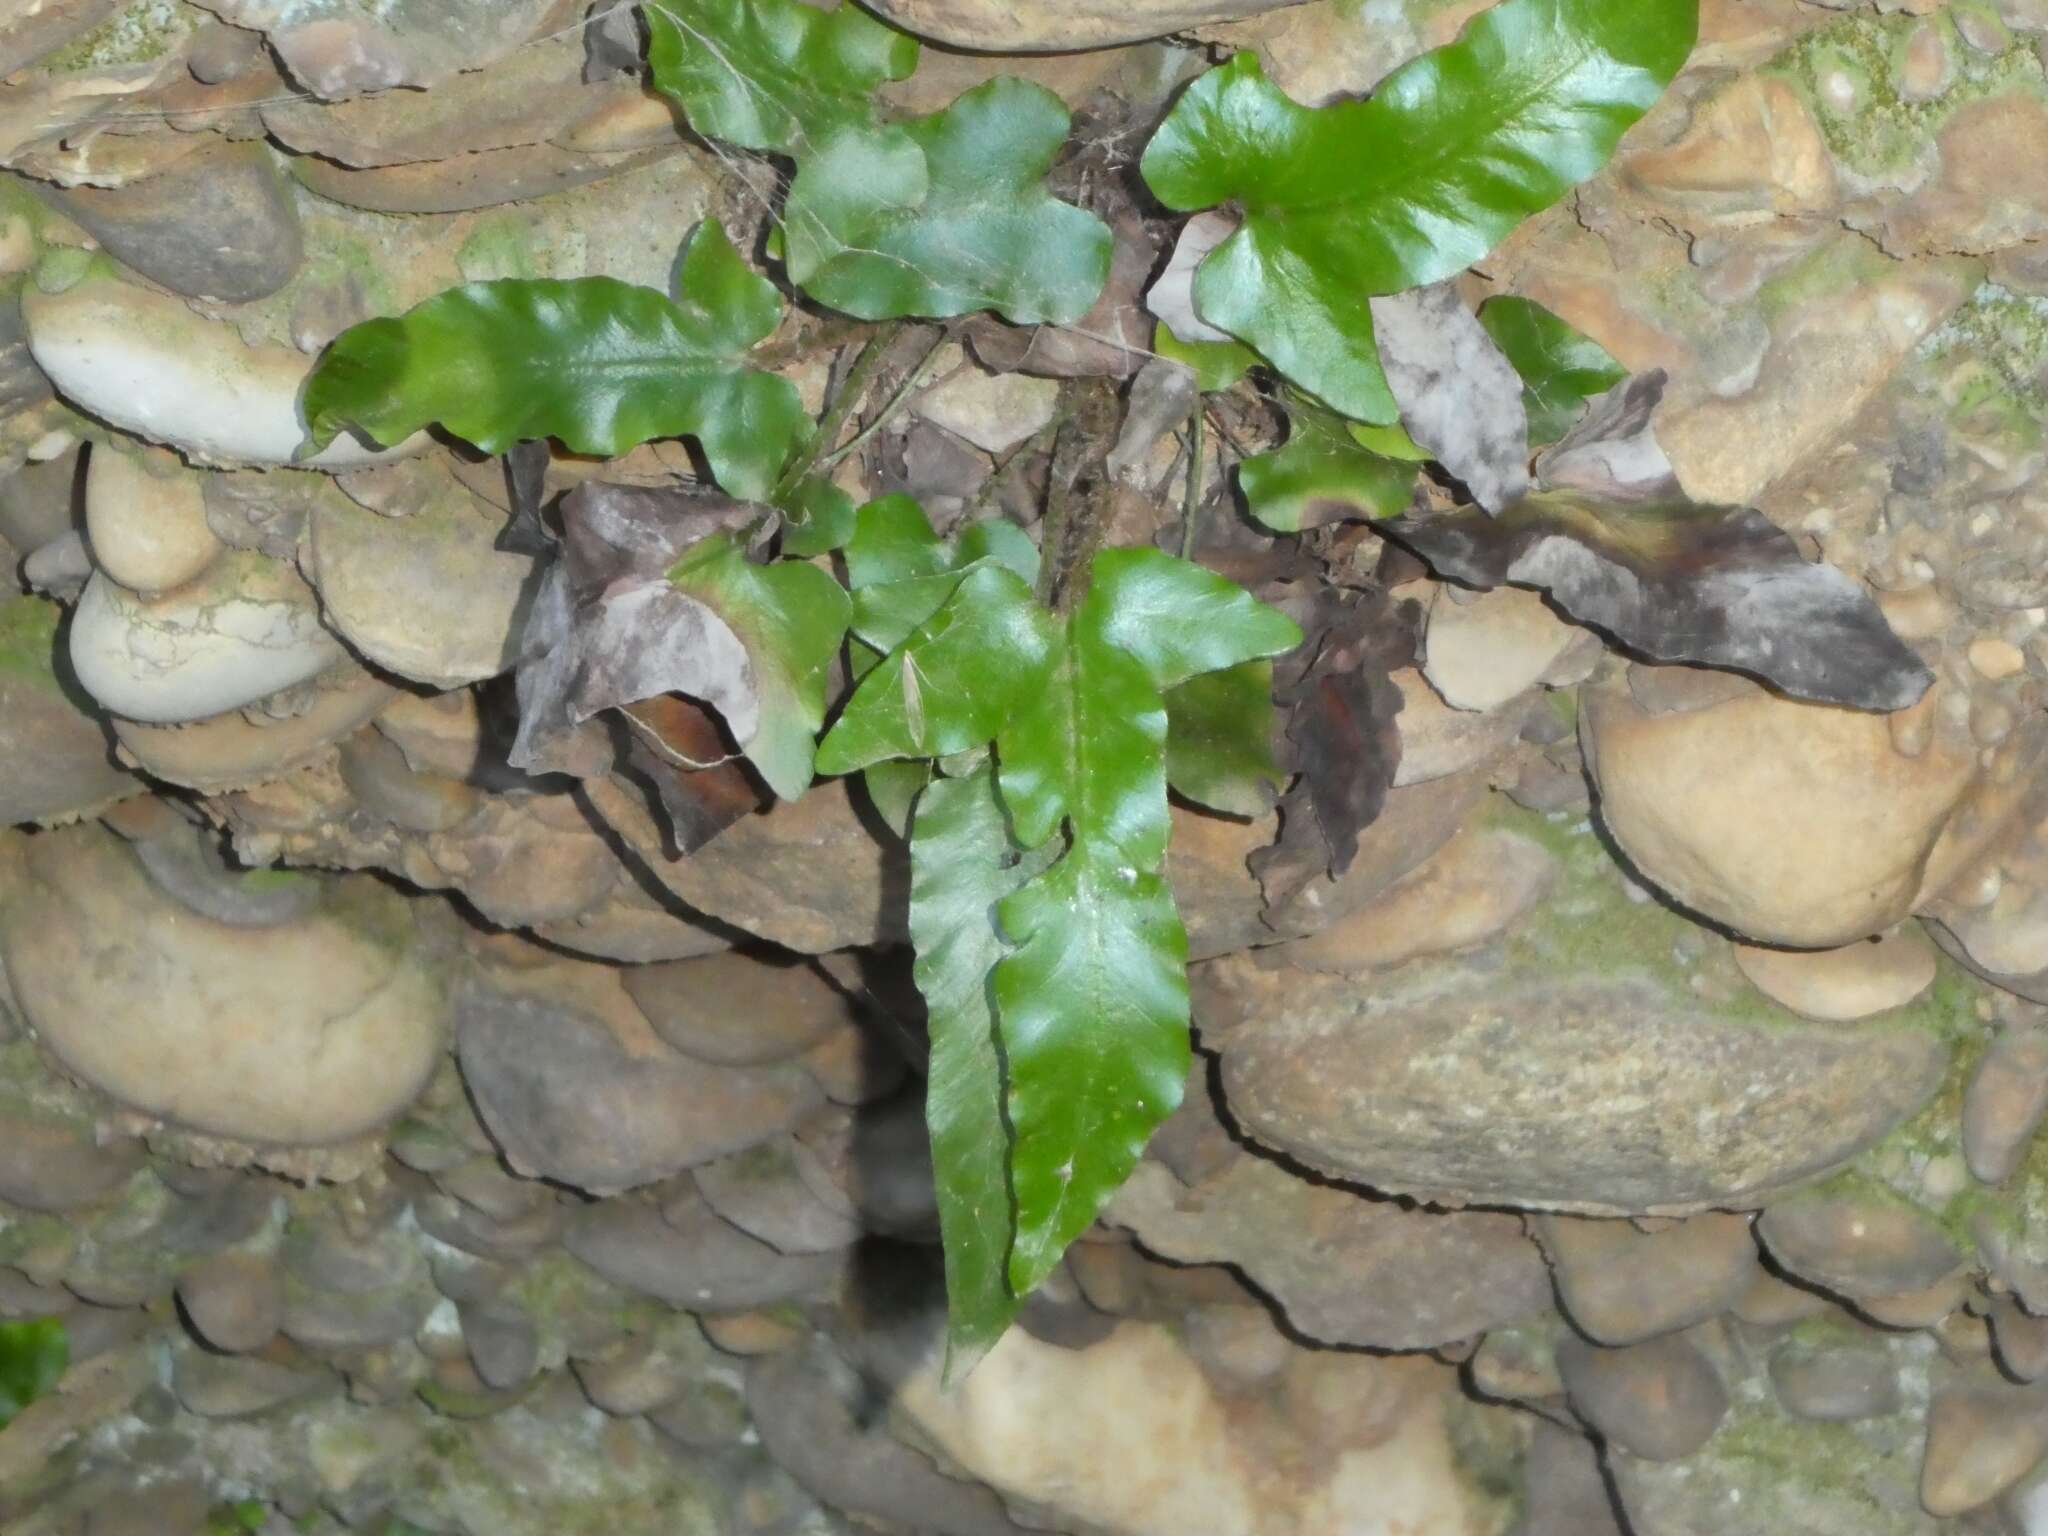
1561, 1483
1832, 1384
710, 1415
875, 1161
46, 1165
1620, 1285
650, 1370
188, 865
234, 1301
218, 224
2003, 1106
233, 1387
1345, 1267
175, 1506
1857, 1243
762, 1192
567, 1100
1576, 1068
2020, 1340
337, 48
504, 1345
1660, 1400
739, 1010
59, 754
689, 1256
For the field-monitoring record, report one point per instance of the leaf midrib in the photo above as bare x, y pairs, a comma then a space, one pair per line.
1456, 142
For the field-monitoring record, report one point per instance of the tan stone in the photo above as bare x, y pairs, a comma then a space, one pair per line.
1827, 358
145, 518
1751, 150
1792, 823
307, 1033
1852, 982
228, 752
1438, 741
1469, 891
1481, 651
1129, 1435
1037, 26
1995, 658
1979, 1443
1988, 193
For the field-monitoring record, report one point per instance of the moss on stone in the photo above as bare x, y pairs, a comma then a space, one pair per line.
1592, 925
1848, 74
138, 33
28, 641
501, 245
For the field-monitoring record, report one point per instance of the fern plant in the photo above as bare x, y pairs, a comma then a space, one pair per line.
1028, 703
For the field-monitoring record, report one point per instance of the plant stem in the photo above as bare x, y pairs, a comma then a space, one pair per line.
855, 385
827, 337
1191, 504
889, 407
1076, 518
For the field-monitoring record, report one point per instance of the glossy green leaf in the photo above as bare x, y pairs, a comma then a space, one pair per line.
1217, 364
892, 541
33, 1355
1408, 187
1178, 618
954, 683
819, 518
894, 785
901, 571
600, 364
1093, 1011
1092, 1007
961, 866
773, 74
1322, 475
1389, 442
791, 617
947, 214
1219, 740
1561, 367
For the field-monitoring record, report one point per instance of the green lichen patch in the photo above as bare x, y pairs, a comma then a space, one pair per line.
1594, 924
1989, 365
28, 641
1849, 74
139, 33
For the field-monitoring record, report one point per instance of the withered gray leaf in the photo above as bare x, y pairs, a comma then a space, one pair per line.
1675, 580
1341, 704
1172, 297
526, 532
1162, 396
1459, 395
1613, 451
606, 628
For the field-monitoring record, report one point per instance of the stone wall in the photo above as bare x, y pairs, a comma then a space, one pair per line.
1639, 1137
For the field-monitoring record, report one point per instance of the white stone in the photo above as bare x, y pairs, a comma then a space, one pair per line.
246, 629
1128, 1436
145, 518
151, 366
1480, 653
